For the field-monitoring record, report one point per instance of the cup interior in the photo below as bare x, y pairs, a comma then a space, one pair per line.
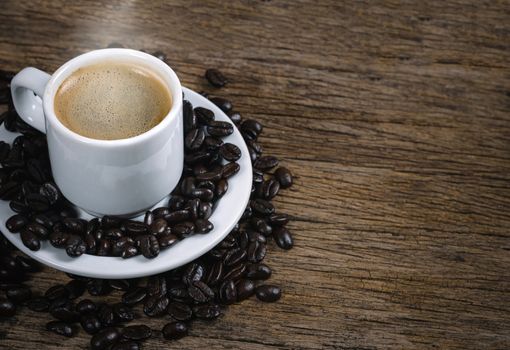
161, 69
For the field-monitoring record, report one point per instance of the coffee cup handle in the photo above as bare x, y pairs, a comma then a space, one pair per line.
27, 89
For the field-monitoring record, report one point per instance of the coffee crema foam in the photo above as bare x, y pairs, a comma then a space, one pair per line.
112, 100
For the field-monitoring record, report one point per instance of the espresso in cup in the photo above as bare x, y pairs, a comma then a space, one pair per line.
112, 100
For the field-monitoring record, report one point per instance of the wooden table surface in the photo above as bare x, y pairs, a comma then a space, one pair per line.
395, 119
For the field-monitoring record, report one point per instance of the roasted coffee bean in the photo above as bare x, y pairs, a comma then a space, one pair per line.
268, 293
136, 332
148, 218
98, 287
180, 311
284, 177
204, 115
283, 238
155, 306
221, 187
197, 157
58, 239
16, 223
256, 236
174, 330
37, 171
104, 339
38, 229
27, 264
159, 55
4, 151
166, 240
134, 296
194, 139
235, 273
200, 292
184, 229
104, 247
40, 304
205, 210
135, 227
156, 285
7, 308
187, 185
177, 216
149, 246
230, 152
222, 103
123, 313
266, 163
86, 306
234, 257
193, 272
228, 292
63, 310
114, 234
9, 190
245, 289
270, 188
19, 294
129, 251
219, 128
75, 246
55, 292
9, 262
256, 252
74, 225
123, 285
203, 226
212, 143
119, 245
210, 176
235, 117
215, 274
44, 220
126, 345
251, 128
76, 288
60, 328
30, 240
207, 311
215, 77
90, 244
106, 315
262, 207
90, 323
188, 116
229, 170
278, 219
92, 226
37, 202
110, 221
261, 225
158, 226
178, 292
51, 192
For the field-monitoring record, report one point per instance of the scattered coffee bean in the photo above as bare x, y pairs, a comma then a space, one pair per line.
215, 77
7, 308
104, 339
60, 328
175, 330
136, 332
224, 104
268, 293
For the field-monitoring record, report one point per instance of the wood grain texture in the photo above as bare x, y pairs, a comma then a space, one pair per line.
395, 118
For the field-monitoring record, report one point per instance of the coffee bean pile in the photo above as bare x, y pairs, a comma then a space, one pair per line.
231, 272
44, 214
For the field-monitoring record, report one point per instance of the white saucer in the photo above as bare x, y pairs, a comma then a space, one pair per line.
228, 211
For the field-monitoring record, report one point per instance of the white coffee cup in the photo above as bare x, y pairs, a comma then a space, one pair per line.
106, 177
